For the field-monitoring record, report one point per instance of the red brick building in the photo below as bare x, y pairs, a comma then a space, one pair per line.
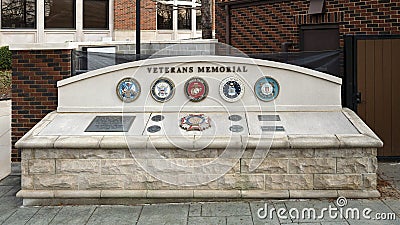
262, 26
59, 21
366, 33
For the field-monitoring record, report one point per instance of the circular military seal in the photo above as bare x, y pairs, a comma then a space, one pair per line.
128, 89
196, 89
193, 122
266, 89
231, 89
162, 89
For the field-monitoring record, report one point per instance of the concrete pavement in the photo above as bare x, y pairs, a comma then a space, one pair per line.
241, 212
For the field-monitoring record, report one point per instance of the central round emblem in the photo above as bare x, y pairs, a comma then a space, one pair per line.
162, 89
231, 89
196, 89
193, 122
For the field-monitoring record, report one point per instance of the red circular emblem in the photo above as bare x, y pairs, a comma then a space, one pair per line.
196, 89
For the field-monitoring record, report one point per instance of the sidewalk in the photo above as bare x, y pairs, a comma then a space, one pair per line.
241, 212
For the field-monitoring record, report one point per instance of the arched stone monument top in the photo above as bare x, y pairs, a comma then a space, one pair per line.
300, 89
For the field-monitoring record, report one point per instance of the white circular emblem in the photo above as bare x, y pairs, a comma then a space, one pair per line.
231, 89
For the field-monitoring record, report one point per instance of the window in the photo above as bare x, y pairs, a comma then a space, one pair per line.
316, 7
184, 18
178, 14
198, 19
95, 14
59, 14
164, 17
320, 37
18, 14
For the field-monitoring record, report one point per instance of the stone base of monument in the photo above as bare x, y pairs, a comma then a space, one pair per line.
198, 129
67, 169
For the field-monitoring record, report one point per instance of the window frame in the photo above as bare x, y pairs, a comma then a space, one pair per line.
20, 28
107, 16
193, 5
61, 28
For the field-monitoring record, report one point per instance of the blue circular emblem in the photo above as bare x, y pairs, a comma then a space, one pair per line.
128, 89
266, 89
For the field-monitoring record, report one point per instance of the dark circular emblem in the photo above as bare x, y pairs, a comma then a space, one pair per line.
153, 129
196, 89
157, 118
266, 89
162, 89
235, 118
236, 128
231, 89
195, 122
128, 89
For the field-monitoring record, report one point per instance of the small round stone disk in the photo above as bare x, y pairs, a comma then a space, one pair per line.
153, 129
236, 128
157, 118
235, 118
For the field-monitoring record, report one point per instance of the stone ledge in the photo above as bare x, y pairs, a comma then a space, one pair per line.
80, 197
359, 194
123, 194
311, 141
313, 193
77, 194
265, 194
217, 194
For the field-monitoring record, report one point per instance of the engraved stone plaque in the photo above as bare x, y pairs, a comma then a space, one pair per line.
272, 128
110, 124
269, 118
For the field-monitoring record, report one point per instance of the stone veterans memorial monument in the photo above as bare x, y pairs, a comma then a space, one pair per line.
198, 128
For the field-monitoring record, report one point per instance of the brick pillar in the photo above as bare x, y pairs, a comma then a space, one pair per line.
34, 88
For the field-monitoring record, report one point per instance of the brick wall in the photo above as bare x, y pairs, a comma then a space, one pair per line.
125, 15
34, 88
261, 26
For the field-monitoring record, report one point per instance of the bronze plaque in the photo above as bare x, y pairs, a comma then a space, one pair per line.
110, 124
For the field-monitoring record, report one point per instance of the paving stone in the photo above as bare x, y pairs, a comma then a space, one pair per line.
239, 220
376, 206
309, 206
10, 201
11, 181
44, 216
6, 211
164, 214
389, 171
373, 222
73, 215
226, 209
207, 220
4, 190
115, 215
394, 205
21, 216
334, 223
256, 206
195, 209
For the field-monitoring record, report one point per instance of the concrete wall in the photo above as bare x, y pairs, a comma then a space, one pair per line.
5, 138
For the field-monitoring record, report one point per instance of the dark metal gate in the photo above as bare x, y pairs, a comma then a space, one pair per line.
372, 85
